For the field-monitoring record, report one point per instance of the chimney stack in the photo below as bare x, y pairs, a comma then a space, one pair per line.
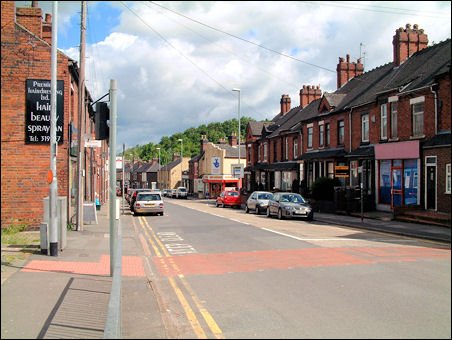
285, 104
233, 139
408, 41
309, 94
347, 70
47, 29
204, 142
30, 18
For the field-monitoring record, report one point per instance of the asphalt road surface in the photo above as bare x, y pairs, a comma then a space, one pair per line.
221, 273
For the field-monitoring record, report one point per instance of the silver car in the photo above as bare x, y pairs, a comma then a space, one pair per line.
148, 202
289, 204
258, 202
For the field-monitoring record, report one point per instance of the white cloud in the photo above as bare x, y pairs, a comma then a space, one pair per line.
162, 92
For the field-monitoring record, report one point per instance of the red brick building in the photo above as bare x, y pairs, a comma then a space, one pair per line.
389, 129
25, 148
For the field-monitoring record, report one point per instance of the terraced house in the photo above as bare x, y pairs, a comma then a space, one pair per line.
387, 130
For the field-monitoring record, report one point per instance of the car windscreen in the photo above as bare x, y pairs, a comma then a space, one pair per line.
149, 197
292, 198
182, 190
264, 196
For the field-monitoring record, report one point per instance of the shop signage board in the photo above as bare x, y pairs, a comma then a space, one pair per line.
341, 171
37, 111
215, 165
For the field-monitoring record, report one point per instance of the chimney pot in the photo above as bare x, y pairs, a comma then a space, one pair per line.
48, 18
34, 4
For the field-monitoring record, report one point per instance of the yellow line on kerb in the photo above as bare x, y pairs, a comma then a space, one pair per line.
190, 314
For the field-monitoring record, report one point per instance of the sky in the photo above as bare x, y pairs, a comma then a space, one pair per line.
176, 62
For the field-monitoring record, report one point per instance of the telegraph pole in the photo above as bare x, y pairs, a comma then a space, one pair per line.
81, 121
53, 192
112, 182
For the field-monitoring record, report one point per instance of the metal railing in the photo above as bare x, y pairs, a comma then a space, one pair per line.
114, 316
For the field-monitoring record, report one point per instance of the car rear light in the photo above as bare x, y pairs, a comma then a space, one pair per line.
138, 204
161, 204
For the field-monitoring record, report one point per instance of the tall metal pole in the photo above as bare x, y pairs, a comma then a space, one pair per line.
181, 159
112, 164
123, 175
238, 90
158, 171
81, 121
53, 192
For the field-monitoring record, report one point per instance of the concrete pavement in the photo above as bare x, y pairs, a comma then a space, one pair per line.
67, 296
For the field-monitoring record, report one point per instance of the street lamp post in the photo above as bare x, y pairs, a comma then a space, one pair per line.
181, 159
238, 91
158, 171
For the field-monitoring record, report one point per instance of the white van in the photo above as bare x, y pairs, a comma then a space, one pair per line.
181, 192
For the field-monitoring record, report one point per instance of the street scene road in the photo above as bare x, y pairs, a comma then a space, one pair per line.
222, 273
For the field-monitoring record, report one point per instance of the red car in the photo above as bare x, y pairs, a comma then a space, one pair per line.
229, 197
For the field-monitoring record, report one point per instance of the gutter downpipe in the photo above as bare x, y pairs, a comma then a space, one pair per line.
436, 108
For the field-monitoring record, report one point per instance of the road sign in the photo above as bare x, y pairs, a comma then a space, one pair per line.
237, 170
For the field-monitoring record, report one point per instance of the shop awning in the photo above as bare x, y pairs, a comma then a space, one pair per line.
362, 151
323, 154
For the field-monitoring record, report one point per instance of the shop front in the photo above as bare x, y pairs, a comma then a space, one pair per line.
397, 166
215, 184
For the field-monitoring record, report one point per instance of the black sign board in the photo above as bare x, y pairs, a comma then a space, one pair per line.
37, 115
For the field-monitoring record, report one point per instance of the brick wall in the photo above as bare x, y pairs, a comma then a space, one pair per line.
443, 157
24, 167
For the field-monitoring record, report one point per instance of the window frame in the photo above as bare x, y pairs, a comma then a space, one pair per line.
393, 124
383, 121
417, 131
327, 134
321, 135
295, 148
340, 132
310, 133
364, 123
448, 179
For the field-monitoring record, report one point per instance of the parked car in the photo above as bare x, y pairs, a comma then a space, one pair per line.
181, 192
258, 202
289, 204
148, 202
133, 197
229, 198
166, 192
173, 193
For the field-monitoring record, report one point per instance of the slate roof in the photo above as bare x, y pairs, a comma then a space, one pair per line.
171, 165
232, 151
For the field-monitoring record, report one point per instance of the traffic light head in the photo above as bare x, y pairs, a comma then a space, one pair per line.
102, 116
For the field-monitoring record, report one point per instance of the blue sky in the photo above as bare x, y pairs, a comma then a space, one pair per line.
174, 73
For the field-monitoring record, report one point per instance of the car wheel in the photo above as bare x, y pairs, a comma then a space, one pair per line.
257, 211
268, 212
280, 215
247, 210
161, 214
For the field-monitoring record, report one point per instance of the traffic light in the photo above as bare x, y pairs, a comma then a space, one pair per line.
102, 116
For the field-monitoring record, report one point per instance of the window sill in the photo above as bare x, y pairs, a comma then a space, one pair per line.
394, 139
417, 137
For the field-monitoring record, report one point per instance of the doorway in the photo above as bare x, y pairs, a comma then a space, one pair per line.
396, 185
430, 187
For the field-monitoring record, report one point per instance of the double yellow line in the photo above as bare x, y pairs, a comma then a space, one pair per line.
191, 315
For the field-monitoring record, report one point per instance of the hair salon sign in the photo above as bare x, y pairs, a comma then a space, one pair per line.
37, 115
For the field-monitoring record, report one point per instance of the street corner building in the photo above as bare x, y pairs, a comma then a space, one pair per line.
387, 131
25, 122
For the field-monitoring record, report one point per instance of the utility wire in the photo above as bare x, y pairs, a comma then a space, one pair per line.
335, 4
245, 40
227, 50
182, 54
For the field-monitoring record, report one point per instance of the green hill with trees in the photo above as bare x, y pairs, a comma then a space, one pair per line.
191, 141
